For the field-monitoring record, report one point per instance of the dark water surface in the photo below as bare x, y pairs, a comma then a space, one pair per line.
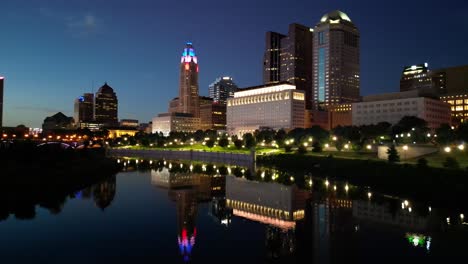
173, 213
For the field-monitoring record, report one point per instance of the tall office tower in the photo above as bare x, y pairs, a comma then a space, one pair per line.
336, 61
2, 79
288, 58
271, 58
84, 108
416, 77
222, 89
106, 106
188, 87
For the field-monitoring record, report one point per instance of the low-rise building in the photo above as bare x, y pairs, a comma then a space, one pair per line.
392, 107
58, 121
181, 122
129, 123
278, 106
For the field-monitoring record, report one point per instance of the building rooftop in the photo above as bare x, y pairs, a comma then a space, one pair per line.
264, 89
335, 15
106, 89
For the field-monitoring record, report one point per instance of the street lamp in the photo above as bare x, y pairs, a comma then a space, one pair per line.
447, 149
405, 148
461, 147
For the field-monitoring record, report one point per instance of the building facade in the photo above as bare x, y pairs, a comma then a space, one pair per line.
288, 58
222, 89
57, 122
340, 115
182, 122
129, 123
393, 107
452, 86
279, 106
336, 62
416, 77
84, 108
106, 106
458, 106
2, 81
212, 116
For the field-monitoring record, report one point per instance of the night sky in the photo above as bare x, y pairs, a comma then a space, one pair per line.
54, 51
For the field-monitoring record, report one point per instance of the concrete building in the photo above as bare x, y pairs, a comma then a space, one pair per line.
116, 132
106, 106
167, 122
222, 89
2, 81
279, 106
84, 109
288, 58
336, 60
391, 107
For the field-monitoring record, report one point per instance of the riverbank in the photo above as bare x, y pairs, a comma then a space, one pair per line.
438, 186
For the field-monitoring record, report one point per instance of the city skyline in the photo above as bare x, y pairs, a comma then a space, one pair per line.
55, 51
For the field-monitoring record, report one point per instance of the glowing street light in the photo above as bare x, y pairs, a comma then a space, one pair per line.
461, 147
346, 146
369, 147
327, 145
335, 139
405, 147
346, 187
369, 195
447, 149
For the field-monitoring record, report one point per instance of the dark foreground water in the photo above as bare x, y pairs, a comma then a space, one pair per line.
176, 213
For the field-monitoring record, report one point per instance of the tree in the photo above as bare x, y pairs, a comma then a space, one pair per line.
287, 148
223, 142
445, 134
238, 143
339, 143
393, 154
316, 147
462, 131
301, 149
210, 143
249, 140
451, 163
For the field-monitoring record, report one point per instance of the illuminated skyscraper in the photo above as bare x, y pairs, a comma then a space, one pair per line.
222, 89
288, 58
1, 100
336, 60
188, 86
84, 108
106, 106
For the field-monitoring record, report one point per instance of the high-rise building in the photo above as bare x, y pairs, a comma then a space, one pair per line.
416, 77
336, 61
188, 85
222, 89
2, 79
271, 59
84, 108
106, 106
288, 58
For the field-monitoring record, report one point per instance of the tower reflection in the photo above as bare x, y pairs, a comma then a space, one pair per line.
187, 190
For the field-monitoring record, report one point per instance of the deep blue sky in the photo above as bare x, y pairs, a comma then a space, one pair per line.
53, 51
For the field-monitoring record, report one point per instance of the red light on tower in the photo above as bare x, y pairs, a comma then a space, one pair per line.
187, 67
197, 68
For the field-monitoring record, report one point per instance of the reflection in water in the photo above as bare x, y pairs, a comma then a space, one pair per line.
102, 193
187, 190
23, 206
277, 206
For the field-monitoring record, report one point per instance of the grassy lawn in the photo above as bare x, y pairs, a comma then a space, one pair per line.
437, 159
195, 147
